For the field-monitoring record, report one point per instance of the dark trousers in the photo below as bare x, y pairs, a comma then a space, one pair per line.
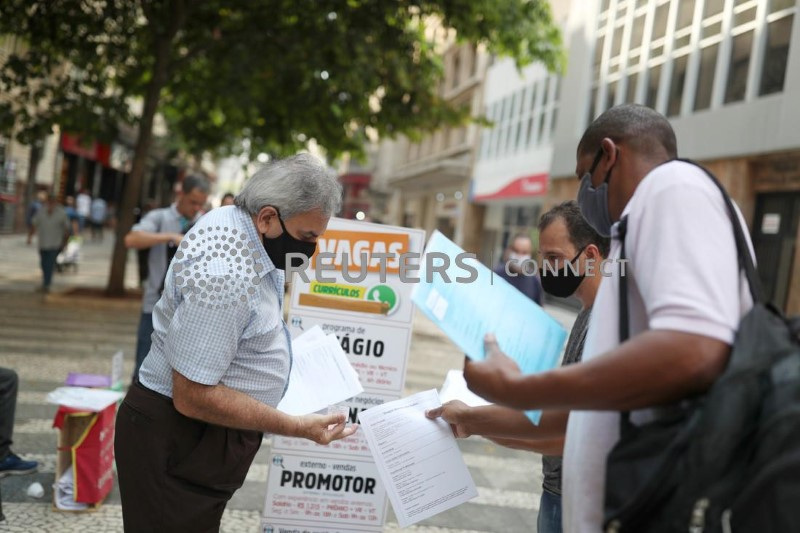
143, 341
47, 260
9, 384
176, 473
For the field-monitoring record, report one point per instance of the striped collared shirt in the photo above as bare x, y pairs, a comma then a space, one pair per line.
219, 319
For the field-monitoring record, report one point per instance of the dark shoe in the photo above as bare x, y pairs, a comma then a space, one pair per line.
15, 465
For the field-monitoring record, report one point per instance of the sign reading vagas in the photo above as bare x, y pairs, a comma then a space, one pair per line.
358, 297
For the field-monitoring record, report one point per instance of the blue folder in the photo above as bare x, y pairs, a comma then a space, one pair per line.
467, 309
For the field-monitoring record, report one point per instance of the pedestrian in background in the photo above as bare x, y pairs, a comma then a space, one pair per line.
512, 269
83, 205
160, 232
97, 218
10, 463
39, 200
227, 199
72, 215
52, 227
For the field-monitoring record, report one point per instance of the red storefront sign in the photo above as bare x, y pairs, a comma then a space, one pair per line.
526, 186
92, 150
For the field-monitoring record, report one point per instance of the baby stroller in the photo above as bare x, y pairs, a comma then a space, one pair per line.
70, 255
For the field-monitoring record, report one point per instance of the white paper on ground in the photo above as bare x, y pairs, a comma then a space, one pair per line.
418, 459
455, 388
321, 376
64, 490
83, 398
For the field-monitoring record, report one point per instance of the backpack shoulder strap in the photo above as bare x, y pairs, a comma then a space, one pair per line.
624, 313
742, 248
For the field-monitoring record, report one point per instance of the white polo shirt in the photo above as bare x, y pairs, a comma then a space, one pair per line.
683, 275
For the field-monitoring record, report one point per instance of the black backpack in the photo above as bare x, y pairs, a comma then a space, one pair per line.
728, 461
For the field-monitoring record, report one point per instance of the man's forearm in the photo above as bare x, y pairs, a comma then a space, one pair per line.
142, 239
655, 368
505, 422
227, 407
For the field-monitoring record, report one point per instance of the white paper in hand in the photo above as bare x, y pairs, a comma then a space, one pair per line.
455, 388
321, 376
418, 459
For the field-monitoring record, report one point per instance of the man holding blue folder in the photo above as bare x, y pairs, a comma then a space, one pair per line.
564, 237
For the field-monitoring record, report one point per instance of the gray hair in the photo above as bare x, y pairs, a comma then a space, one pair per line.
193, 182
293, 185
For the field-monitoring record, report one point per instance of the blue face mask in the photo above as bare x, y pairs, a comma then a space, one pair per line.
594, 201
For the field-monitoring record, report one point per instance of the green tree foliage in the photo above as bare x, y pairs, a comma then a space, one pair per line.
274, 71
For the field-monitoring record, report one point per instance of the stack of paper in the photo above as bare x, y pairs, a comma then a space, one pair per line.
85, 399
321, 375
65, 493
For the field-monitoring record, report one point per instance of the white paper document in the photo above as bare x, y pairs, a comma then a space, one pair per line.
455, 388
418, 459
83, 398
321, 375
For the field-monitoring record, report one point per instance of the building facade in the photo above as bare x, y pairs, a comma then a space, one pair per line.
429, 181
727, 75
512, 169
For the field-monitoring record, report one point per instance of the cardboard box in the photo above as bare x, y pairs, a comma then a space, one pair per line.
86, 442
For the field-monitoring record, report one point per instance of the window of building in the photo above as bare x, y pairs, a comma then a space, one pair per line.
705, 77
685, 14
738, 66
713, 7
637, 31
676, 85
630, 89
660, 21
653, 81
592, 104
773, 73
611, 94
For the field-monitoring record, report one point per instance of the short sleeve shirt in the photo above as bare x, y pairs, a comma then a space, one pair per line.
219, 320
683, 275
163, 220
51, 227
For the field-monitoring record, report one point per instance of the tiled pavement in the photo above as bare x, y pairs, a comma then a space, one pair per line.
45, 338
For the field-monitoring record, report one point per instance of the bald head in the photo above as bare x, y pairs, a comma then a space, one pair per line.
644, 130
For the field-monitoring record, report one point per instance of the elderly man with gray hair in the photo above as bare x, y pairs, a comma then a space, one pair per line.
192, 423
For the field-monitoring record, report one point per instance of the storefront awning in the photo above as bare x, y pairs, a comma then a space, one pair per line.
522, 187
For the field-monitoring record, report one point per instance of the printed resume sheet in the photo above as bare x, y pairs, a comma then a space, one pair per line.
418, 459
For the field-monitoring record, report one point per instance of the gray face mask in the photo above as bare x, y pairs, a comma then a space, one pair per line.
594, 201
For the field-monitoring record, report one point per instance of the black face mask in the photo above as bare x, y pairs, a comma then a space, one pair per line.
283, 244
563, 283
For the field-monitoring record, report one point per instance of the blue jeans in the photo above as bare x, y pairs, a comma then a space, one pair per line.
47, 260
549, 520
143, 340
